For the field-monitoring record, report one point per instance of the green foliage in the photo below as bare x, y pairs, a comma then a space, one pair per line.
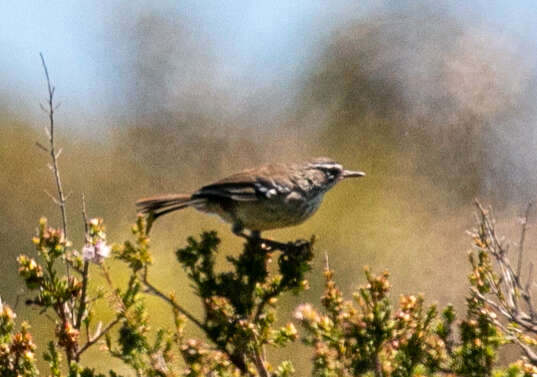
480, 341
239, 314
56, 291
364, 336
17, 349
53, 358
137, 255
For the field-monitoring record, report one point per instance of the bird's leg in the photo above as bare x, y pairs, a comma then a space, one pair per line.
255, 236
238, 229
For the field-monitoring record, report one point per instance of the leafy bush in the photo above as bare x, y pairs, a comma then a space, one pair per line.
362, 336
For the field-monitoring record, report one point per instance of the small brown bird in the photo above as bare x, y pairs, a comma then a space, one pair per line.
269, 197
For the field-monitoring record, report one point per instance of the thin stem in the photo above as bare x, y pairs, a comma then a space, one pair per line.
85, 272
235, 359
154, 290
508, 287
527, 293
115, 292
522, 238
82, 307
96, 338
52, 149
260, 363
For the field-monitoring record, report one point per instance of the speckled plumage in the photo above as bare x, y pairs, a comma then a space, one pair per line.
269, 197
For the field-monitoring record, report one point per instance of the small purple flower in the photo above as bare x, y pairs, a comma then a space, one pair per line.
102, 251
96, 253
88, 252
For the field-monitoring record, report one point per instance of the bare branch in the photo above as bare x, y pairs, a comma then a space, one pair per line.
41, 146
155, 291
68, 195
52, 148
525, 348
52, 197
85, 273
97, 336
260, 363
527, 292
507, 289
527, 351
84, 215
522, 238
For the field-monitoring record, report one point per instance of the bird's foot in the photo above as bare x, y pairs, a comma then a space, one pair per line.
267, 244
273, 245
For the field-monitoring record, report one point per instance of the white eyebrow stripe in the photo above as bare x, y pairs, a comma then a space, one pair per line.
328, 166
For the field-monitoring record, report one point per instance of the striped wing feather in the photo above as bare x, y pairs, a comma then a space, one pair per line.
248, 185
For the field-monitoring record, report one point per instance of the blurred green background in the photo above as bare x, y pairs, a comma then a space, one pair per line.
434, 100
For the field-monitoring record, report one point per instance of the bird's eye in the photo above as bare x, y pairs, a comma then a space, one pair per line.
334, 172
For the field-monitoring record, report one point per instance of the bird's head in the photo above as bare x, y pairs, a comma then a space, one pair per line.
330, 172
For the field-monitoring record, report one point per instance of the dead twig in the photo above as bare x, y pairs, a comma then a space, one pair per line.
54, 154
522, 238
508, 296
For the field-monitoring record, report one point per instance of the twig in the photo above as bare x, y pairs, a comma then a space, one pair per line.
527, 292
52, 150
527, 351
235, 359
260, 363
85, 216
85, 272
96, 338
507, 288
522, 238
42, 147
115, 292
52, 197
525, 348
154, 290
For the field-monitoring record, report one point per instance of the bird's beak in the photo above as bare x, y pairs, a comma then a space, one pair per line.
352, 174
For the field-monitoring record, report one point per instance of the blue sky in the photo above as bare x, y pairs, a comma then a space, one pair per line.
261, 41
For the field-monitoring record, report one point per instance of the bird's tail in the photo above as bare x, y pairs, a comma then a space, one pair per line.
163, 204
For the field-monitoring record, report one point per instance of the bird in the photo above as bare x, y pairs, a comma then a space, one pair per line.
268, 197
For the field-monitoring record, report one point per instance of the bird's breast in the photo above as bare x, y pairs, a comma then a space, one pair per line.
265, 213
278, 212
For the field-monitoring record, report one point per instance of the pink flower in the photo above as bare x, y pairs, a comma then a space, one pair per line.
88, 252
102, 251
96, 253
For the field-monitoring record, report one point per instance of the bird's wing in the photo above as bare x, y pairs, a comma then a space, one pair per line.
235, 191
248, 185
